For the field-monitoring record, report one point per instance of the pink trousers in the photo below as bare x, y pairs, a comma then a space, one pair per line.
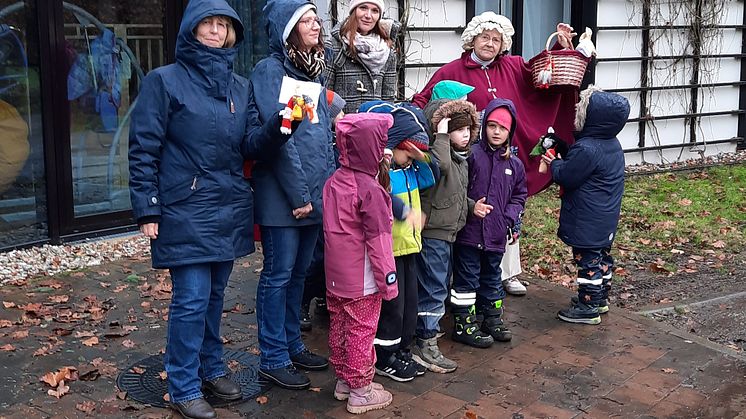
352, 328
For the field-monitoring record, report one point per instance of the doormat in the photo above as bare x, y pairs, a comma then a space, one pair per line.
143, 382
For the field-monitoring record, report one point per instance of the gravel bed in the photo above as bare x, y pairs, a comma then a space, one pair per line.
20, 265
17, 266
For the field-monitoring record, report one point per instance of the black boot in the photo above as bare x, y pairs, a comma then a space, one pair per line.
493, 322
224, 388
603, 306
321, 308
466, 329
305, 318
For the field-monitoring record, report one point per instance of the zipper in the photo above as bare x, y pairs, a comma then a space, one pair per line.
194, 184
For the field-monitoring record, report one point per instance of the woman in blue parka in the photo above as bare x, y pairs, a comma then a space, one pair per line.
190, 133
288, 190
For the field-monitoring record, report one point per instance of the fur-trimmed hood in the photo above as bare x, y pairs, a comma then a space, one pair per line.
600, 114
454, 107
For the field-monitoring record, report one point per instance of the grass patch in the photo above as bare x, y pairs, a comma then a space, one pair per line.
663, 217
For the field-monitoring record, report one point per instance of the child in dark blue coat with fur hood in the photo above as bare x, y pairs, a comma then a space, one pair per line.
592, 178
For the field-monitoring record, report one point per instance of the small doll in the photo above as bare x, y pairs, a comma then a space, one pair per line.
294, 110
549, 143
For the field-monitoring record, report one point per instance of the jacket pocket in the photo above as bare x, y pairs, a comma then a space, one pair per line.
180, 190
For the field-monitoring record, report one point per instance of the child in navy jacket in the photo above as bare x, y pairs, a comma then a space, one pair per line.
592, 178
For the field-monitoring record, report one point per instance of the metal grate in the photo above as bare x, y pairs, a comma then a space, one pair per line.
149, 388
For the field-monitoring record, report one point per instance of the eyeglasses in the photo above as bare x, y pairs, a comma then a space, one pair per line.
486, 38
309, 21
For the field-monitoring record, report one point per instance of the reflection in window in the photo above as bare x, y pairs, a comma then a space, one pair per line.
23, 212
109, 45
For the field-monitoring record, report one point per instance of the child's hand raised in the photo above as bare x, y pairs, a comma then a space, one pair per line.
481, 209
443, 126
415, 152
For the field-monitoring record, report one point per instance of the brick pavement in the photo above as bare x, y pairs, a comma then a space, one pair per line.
629, 366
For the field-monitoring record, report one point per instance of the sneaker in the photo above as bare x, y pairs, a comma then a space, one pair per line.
406, 356
307, 360
287, 377
368, 398
305, 318
223, 388
195, 409
427, 354
514, 287
396, 369
342, 389
580, 313
603, 306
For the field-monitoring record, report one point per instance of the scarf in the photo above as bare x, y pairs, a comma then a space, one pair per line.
311, 63
372, 50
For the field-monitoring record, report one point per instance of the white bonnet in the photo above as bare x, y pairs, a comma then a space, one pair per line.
485, 22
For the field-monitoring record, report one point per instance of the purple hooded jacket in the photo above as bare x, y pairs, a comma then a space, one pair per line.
503, 183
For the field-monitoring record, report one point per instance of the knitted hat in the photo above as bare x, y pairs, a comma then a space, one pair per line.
500, 115
336, 103
459, 121
356, 3
485, 22
450, 89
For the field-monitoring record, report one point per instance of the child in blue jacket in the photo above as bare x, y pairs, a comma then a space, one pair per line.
592, 178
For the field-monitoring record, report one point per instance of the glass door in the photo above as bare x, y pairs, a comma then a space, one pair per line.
23, 199
109, 46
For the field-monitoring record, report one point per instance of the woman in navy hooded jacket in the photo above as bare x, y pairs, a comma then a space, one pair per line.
190, 133
288, 190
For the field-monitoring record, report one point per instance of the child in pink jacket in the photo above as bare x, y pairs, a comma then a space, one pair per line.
359, 262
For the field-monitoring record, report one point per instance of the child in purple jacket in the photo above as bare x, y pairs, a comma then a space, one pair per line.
497, 184
359, 259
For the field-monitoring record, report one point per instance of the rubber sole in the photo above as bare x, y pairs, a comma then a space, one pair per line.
432, 367
393, 377
484, 343
592, 321
357, 410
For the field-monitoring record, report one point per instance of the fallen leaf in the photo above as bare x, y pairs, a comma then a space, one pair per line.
262, 399
7, 348
685, 202
5, 323
669, 370
121, 395
84, 334
719, 244
166, 397
61, 390
90, 341
9, 304
127, 343
315, 389
20, 334
58, 299
88, 374
469, 414
138, 370
677, 251
56, 378
86, 407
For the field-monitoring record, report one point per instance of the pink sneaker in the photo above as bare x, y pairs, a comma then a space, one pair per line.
368, 398
342, 389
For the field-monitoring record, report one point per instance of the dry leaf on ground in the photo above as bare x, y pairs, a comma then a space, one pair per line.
90, 341
87, 406
262, 399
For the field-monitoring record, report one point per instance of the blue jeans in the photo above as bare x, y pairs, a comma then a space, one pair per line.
287, 254
478, 271
434, 273
194, 350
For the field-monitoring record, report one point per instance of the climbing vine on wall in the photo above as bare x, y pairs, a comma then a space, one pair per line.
686, 33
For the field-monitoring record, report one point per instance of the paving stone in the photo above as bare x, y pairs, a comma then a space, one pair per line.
544, 411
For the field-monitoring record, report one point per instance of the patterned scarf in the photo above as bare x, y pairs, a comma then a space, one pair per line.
371, 50
312, 62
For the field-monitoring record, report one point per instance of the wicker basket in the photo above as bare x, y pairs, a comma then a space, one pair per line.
558, 67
